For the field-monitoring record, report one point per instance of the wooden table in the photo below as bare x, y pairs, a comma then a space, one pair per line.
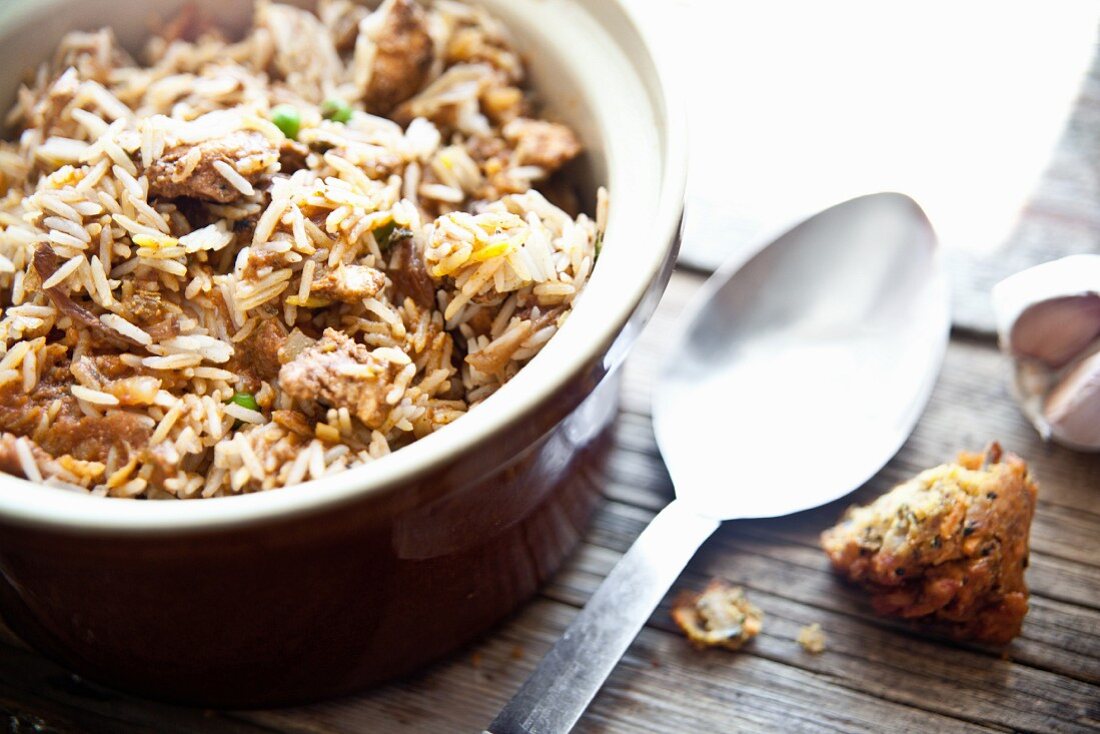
876, 675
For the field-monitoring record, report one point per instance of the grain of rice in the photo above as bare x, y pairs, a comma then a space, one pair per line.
236, 180
124, 327
68, 226
244, 414
26, 460
95, 397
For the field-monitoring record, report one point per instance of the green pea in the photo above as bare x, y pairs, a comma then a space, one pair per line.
336, 110
245, 400
287, 119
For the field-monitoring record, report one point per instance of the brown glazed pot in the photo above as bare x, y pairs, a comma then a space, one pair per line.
324, 588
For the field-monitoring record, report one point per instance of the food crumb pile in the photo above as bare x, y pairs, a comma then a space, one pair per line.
719, 616
812, 638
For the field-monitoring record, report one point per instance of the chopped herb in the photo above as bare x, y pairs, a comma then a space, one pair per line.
382, 234
336, 110
599, 244
389, 233
245, 400
287, 119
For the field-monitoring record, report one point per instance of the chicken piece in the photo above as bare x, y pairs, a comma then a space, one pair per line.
548, 145
339, 372
948, 547
349, 283
188, 170
720, 616
403, 56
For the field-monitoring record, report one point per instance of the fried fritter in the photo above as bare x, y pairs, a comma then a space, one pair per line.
948, 547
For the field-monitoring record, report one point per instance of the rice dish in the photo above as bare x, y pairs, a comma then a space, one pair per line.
244, 264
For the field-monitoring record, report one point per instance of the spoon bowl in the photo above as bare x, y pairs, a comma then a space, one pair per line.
802, 371
798, 375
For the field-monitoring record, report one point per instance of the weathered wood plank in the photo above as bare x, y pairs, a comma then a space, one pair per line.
872, 655
39, 696
1056, 636
752, 694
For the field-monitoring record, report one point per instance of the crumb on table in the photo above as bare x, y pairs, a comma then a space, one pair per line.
720, 616
812, 638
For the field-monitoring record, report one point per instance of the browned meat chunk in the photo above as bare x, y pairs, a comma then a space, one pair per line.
87, 438
90, 438
720, 616
257, 357
292, 156
146, 308
188, 170
261, 261
410, 277
948, 547
294, 422
349, 283
340, 372
403, 57
547, 145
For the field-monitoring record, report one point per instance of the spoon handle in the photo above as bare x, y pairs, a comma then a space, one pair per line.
566, 680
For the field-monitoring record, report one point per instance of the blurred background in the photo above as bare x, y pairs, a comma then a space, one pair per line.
968, 107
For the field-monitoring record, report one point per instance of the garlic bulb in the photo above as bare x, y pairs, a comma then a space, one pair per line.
1048, 319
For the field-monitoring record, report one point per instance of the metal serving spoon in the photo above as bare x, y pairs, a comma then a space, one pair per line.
798, 375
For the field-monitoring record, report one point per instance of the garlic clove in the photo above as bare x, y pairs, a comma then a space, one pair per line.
1072, 409
1030, 388
1055, 331
1050, 312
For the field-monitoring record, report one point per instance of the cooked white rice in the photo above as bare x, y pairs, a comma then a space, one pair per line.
178, 262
